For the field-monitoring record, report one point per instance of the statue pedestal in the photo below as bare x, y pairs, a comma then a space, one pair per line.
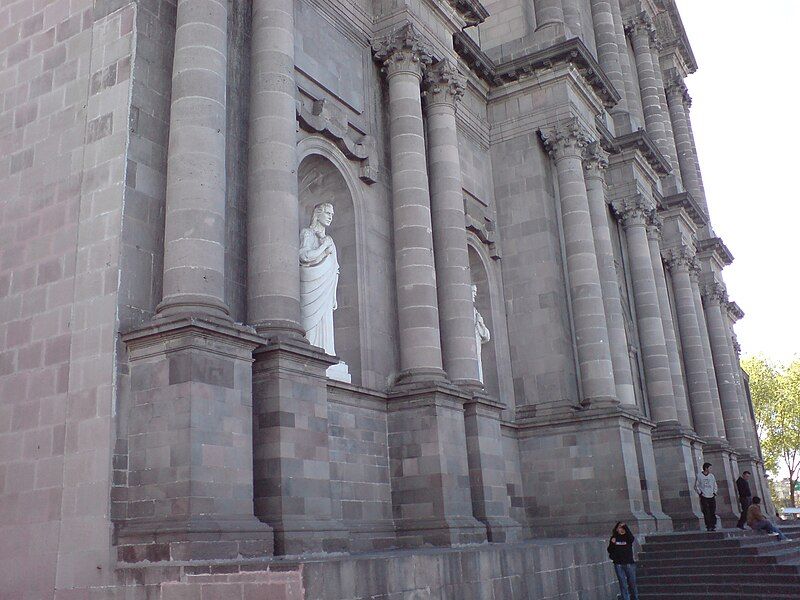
339, 372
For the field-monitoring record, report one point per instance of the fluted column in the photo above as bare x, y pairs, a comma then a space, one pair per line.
633, 213
273, 223
608, 52
194, 229
676, 370
678, 261
595, 162
694, 275
444, 86
565, 142
677, 94
403, 56
714, 298
642, 33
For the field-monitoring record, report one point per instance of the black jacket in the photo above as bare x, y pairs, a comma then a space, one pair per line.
743, 488
620, 549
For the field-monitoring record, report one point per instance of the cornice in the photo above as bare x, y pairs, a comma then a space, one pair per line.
672, 35
685, 201
735, 311
472, 11
717, 247
640, 140
572, 51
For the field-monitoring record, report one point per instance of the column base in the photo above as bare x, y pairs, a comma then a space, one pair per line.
428, 462
195, 538
676, 450
412, 377
302, 535
195, 305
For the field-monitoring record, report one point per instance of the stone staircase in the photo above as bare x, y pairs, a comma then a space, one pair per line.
723, 565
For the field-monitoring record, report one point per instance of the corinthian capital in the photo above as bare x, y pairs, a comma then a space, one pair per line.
641, 24
595, 159
633, 210
444, 83
676, 88
678, 258
566, 138
714, 292
403, 50
654, 225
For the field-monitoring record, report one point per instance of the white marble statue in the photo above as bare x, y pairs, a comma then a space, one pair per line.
319, 276
482, 334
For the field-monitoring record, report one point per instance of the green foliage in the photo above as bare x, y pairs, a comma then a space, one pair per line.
775, 391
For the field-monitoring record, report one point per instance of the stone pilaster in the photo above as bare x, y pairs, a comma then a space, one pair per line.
491, 503
694, 275
642, 33
291, 448
565, 142
595, 163
273, 222
633, 212
677, 96
444, 86
675, 366
714, 298
190, 444
194, 228
678, 260
608, 53
403, 55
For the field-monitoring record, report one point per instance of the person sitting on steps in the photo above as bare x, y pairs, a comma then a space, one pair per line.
758, 522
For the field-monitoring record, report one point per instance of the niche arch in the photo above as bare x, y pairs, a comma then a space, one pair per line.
325, 175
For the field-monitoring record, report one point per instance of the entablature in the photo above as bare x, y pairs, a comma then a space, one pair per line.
684, 201
716, 248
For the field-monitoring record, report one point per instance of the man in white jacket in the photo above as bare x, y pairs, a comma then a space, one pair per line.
706, 486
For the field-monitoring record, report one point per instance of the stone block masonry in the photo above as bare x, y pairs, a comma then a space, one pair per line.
166, 429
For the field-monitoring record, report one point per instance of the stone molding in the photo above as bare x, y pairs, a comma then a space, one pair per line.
472, 11
444, 84
403, 51
685, 201
566, 138
714, 246
640, 140
735, 312
326, 119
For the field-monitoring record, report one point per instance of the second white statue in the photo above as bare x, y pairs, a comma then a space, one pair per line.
319, 278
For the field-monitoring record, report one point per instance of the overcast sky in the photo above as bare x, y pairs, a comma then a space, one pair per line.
745, 118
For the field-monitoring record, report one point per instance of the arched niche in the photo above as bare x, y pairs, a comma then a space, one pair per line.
323, 176
486, 303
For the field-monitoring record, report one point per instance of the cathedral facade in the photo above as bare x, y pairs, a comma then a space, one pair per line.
496, 212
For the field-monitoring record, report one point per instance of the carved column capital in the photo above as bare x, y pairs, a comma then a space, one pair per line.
714, 292
676, 89
444, 84
654, 226
633, 210
402, 51
679, 258
737, 347
566, 138
641, 24
595, 160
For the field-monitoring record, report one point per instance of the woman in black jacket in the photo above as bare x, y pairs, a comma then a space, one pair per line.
620, 550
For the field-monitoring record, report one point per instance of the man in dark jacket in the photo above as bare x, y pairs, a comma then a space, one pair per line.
745, 497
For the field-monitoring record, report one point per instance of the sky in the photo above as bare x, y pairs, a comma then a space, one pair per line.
746, 121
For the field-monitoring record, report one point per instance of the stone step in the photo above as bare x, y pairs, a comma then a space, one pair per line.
668, 594
771, 545
650, 578
783, 556
709, 587
656, 569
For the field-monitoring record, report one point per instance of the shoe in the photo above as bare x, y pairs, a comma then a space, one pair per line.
775, 534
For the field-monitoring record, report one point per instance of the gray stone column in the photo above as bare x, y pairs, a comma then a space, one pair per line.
625, 125
444, 85
608, 52
677, 94
702, 197
595, 162
672, 152
676, 370
403, 56
194, 228
714, 298
678, 261
572, 17
642, 33
273, 224
550, 27
633, 212
733, 313
694, 275
565, 142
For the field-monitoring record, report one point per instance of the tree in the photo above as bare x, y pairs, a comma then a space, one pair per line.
775, 391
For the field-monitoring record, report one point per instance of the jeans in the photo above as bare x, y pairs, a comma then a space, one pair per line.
627, 581
768, 527
745, 504
709, 508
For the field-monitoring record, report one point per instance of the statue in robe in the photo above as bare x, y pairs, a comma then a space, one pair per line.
319, 276
482, 334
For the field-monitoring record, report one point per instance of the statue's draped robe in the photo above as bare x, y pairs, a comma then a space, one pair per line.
318, 281
482, 336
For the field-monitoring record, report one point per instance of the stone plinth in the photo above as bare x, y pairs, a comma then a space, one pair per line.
291, 448
429, 467
190, 447
491, 504
677, 451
